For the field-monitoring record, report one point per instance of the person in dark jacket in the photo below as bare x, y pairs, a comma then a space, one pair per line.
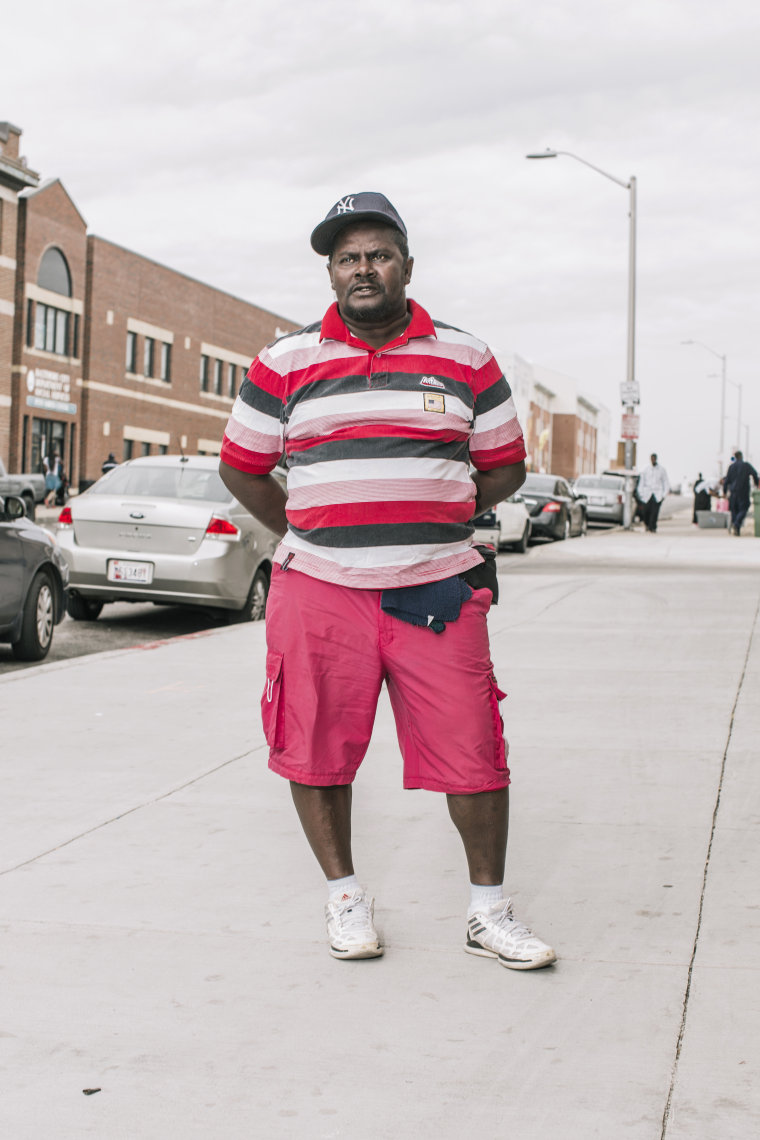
736, 485
701, 496
109, 463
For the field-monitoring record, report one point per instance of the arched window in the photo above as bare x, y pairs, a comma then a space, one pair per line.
54, 272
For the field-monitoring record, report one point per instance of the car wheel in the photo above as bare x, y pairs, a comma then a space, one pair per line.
256, 602
521, 546
82, 609
29, 506
38, 621
565, 532
584, 524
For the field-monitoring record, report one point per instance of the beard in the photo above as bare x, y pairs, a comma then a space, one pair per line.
381, 309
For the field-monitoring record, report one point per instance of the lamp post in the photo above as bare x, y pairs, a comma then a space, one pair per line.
628, 402
722, 359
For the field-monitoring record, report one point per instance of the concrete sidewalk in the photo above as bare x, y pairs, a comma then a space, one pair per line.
163, 938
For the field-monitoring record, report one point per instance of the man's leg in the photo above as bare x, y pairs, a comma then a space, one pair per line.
325, 815
482, 820
655, 513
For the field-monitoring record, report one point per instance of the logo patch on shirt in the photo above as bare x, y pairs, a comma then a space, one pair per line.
432, 382
434, 402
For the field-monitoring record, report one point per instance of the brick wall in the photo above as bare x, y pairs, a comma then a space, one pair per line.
129, 294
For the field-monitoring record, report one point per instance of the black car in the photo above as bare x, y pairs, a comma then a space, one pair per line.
556, 511
34, 579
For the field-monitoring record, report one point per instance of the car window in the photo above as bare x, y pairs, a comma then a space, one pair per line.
604, 482
541, 484
202, 484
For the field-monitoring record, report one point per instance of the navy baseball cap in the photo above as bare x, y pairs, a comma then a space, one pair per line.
364, 207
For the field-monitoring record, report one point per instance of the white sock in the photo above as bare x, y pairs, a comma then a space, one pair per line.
485, 895
342, 886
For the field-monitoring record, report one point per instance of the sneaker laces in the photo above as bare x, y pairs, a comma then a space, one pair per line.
353, 912
507, 922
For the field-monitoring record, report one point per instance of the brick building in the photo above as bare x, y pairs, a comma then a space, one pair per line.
104, 350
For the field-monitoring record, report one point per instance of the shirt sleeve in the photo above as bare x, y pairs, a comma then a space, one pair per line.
497, 438
253, 439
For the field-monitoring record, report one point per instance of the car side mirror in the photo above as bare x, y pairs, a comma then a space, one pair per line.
14, 507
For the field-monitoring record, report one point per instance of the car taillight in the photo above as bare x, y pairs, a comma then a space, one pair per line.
552, 508
222, 528
620, 498
64, 518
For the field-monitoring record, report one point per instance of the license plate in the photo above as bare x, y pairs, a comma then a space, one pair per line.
120, 570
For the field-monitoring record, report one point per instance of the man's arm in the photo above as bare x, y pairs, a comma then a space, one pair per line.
496, 485
261, 495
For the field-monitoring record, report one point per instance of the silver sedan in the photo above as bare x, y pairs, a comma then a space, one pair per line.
165, 529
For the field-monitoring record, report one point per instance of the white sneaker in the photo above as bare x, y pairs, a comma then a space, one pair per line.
350, 927
494, 932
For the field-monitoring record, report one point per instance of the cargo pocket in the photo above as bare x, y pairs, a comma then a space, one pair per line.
272, 707
501, 747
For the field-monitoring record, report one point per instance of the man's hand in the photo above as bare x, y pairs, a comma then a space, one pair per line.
496, 485
261, 495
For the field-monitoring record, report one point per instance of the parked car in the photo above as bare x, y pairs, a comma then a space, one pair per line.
165, 529
31, 488
605, 495
556, 511
514, 523
33, 582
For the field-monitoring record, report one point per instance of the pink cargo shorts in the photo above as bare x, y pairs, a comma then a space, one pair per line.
329, 649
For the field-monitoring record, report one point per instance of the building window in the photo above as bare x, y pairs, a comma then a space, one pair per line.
54, 272
51, 329
29, 321
127, 449
231, 381
75, 337
162, 449
131, 361
204, 374
148, 351
218, 377
145, 448
166, 362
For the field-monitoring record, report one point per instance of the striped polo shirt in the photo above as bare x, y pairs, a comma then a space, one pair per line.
378, 444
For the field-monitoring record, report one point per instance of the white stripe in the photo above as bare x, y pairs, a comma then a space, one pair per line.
458, 336
496, 417
351, 470
388, 401
255, 420
288, 344
378, 556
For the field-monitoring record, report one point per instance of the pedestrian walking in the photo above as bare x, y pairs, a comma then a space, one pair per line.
701, 497
736, 484
380, 411
652, 489
53, 478
109, 464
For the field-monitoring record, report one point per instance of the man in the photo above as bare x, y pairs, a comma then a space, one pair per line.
380, 412
652, 489
109, 464
736, 485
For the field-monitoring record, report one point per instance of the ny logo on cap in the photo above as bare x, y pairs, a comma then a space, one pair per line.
346, 205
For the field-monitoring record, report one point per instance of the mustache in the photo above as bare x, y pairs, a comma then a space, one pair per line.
364, 284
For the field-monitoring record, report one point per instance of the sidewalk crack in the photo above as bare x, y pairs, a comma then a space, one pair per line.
667, 1114
129, 811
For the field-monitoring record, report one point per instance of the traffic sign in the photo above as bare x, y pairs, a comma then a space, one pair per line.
629, 393
630, 428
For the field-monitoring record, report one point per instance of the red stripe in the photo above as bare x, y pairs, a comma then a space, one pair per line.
374, 514
254, 464
376, 431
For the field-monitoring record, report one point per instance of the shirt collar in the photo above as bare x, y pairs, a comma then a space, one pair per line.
335, 328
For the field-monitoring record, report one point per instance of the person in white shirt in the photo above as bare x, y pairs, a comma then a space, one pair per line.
652, 489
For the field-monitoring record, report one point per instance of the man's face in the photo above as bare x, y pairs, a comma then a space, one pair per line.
654, 460
369, 274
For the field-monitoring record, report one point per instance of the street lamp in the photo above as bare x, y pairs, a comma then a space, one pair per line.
628, 402
722, 359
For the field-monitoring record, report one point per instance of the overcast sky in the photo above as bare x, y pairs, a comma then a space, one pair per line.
212, 136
